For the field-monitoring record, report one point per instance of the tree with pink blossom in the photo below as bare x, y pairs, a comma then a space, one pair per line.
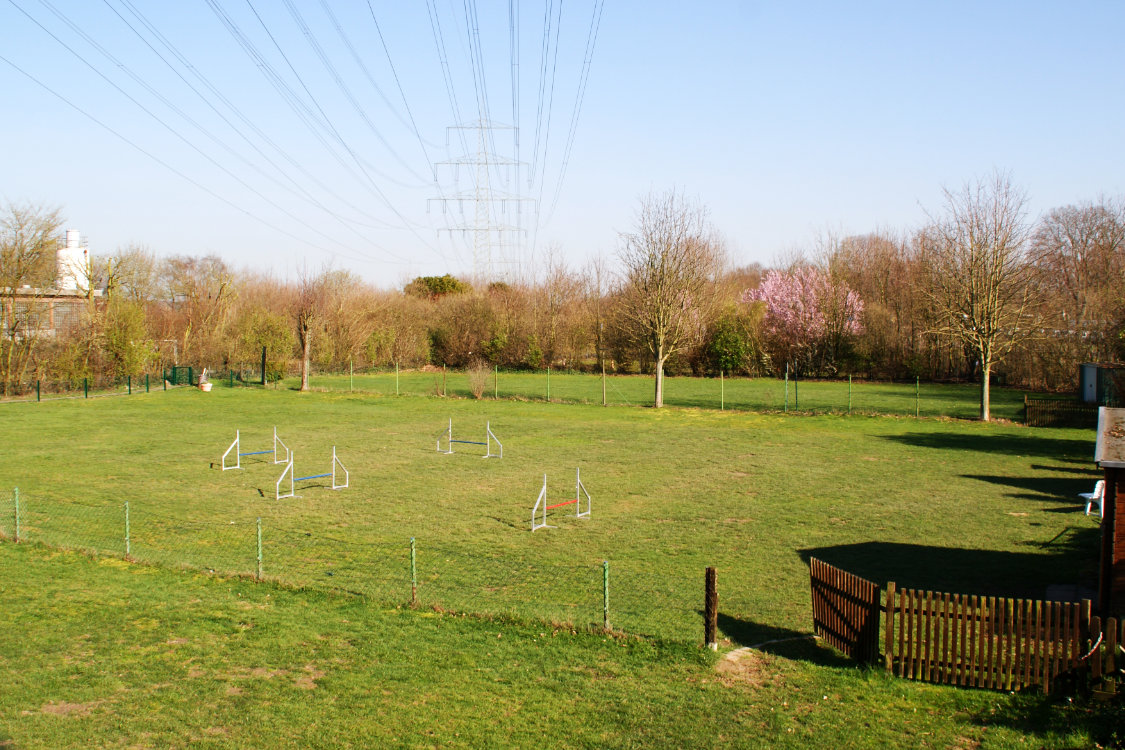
806, 312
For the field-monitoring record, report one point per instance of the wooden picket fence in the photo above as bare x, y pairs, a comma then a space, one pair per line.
983, 641
972, 641
845, 610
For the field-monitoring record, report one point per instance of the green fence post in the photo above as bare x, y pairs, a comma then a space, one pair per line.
413, 575
86, 387
231, 378
915, 396
496, 381
443, 391
259, 549
548, 383
17, 496
396, 378
796, 393
37, 390
722, 392
146, 382
786, 386
849, 393
605, 594
165, 379
128, 544
129, 383
351, 375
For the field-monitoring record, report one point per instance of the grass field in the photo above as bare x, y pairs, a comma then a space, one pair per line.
929, 503
745, 394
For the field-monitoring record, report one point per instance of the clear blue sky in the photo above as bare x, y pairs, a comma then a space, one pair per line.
785, 119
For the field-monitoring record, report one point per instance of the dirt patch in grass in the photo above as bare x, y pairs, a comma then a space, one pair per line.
307, 681
69, 709
747, 667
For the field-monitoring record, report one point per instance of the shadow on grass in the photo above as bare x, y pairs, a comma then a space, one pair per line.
1068, 560
1064, 449
783, 642
1058, 721
1046, 489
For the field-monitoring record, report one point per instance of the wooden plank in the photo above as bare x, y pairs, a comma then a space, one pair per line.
908, 655
1037, 644
1049, 643
903, 627
928, 643
973, 643
889, 628
946, 622
964, 646
920, 636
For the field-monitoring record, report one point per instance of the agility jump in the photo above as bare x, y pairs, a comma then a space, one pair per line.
238, 454
293, 479
488, 442
539, 512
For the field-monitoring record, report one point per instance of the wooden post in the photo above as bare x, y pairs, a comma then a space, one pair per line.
263, 365
711, 611
889, 633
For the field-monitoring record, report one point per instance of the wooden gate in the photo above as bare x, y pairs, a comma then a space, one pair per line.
845, 610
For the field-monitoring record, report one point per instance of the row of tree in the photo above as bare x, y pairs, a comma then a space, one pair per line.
979, 292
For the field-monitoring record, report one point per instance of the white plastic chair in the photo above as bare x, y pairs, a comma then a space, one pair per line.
1095, 497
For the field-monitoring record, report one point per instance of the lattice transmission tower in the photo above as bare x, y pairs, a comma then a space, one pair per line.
496, 224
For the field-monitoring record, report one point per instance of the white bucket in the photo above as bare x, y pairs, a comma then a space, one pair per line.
205, 387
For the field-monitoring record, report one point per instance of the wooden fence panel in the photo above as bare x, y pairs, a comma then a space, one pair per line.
990, 642
845, 610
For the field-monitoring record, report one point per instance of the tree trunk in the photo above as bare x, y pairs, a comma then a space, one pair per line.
659, 400
985, 373
306, 350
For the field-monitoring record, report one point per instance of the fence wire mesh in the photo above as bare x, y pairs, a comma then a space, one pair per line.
633, 598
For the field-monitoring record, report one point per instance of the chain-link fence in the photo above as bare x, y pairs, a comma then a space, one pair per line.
628, 597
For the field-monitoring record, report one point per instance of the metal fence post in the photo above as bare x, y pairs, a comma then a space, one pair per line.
496, 381
351, 375
605, 594
413, 575
915, 396
86, 387
722, 392
259, 549
396, 378
37, 390
548, 382
146, 382
17, 496
231, 371
128, 544
165, 379
849, 393
129, 383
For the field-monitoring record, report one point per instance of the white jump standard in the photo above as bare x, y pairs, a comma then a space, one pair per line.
541, 507
238, 454
293, 480
489, 440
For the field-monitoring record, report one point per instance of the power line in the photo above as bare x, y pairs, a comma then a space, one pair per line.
168, 127
583, 78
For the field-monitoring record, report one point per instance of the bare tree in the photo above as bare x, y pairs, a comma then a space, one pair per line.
27, 265
671, 262
1081, 254
980, 278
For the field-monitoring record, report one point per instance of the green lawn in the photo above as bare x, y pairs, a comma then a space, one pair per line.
931, 503
740, 394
